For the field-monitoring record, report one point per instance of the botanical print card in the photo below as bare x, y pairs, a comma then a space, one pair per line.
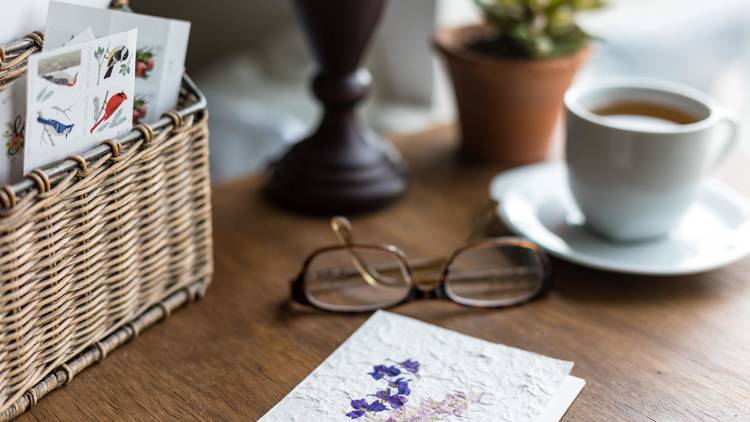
78, 96
395, 369
160, 53
12, 125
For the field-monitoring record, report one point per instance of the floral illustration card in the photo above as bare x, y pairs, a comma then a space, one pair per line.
78, 96
395, 368
159, 55
12, 125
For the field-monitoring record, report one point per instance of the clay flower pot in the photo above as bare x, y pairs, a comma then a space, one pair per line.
508, 107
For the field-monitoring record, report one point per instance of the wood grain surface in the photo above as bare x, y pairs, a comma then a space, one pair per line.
650, 349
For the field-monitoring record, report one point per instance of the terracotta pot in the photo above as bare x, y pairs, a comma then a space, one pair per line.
507, 107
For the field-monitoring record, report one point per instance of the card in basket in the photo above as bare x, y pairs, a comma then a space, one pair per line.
160, 53
78, 96
19, 17
12, 125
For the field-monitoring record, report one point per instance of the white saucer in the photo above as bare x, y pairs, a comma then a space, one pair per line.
535, 202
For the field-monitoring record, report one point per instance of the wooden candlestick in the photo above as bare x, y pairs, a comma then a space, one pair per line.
343, 167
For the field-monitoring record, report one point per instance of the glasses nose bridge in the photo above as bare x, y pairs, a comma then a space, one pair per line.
427, 278
426, 285
430, 278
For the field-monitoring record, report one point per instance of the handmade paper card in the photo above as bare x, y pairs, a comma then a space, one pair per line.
78, 96
160, 54
395, 369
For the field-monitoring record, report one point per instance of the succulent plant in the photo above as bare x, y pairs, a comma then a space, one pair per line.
535, 28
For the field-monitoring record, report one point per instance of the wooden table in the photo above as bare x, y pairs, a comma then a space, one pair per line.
660, 349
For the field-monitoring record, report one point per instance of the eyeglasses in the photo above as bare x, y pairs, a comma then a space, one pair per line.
361, 277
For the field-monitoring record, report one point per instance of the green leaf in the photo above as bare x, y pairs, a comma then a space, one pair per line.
124, 69
588, 4
542, 46
534, 28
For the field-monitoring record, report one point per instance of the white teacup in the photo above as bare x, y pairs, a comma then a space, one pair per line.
634, 181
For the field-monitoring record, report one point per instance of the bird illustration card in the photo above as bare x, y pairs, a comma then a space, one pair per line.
398, 369
159, 55
78, 96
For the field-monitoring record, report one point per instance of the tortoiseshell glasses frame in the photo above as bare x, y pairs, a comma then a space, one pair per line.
376, 275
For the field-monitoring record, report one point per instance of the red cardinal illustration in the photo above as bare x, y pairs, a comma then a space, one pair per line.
112, 105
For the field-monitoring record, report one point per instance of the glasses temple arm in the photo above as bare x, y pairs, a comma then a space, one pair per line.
342, 228
483, 220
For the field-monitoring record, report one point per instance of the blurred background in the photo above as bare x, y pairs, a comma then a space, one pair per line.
250, 59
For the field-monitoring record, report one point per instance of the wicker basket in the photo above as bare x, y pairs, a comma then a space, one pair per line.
98, 247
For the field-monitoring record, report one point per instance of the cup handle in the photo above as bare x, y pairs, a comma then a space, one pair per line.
729, 119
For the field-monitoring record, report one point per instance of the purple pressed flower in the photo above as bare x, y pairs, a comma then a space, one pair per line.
392, 371
360, 408
401, 385
379, 371
356, 414
410, 366
454, 404
395, 400
376, 406
359, 404
395, 394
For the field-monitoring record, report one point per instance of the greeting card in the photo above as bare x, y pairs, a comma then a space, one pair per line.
20, 18
23, 16
12, 125
159, 56
395, 369
78, 96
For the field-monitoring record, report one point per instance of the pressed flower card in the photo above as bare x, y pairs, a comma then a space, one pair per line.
78, 96
159, 55
396, 369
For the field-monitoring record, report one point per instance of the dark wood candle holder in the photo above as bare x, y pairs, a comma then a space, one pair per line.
343, 167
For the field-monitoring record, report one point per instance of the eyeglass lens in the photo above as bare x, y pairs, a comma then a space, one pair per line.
354, 278
494, 275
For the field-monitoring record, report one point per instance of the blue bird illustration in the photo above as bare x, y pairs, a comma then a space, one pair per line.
53, 127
